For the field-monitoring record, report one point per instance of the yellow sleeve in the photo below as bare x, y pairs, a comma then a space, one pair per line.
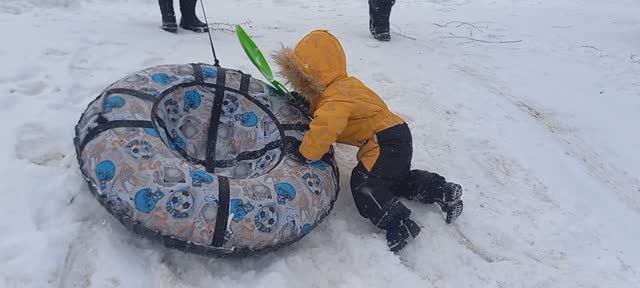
329, 120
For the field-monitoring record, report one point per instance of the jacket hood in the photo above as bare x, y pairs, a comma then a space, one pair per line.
316, 62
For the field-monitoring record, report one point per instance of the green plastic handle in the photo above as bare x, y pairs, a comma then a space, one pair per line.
257, 58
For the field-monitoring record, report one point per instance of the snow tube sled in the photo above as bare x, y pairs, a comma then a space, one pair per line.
192, 155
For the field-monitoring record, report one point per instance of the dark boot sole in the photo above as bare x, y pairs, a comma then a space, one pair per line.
197, 29
384, 37
170, 28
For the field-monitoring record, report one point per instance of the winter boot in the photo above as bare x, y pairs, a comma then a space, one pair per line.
379, 14
399, 235
189, 20
168, 16
430, 188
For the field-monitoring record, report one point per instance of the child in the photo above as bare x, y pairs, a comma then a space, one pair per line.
346, 111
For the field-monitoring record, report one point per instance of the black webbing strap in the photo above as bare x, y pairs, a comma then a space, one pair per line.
295, 126
223, 212
104, 126
132, 92
248, 155
244, 84
216, 110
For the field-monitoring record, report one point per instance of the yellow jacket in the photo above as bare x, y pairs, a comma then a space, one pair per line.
344, 110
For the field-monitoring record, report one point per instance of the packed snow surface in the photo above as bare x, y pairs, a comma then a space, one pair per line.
533, 106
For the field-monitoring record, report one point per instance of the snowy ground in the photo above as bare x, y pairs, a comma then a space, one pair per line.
541, 129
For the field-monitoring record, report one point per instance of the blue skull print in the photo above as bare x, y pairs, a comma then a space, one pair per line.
319, 164
163, 78
192, 100
105, 171
306, 228
312, 181
146, 200
199, 177
152, 132
285, 191
112, 102
208, 72
266, 219
179, 204
239, 209
247, 119
177, 141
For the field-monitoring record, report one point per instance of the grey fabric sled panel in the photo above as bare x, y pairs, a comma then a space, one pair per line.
118, 106
103, 127
279, 206
160, 190
154, 80
243, 126
185, 111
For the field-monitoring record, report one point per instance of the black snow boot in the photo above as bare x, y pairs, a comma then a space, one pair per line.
399, 235
189, 20
430, 188
168, 16
379, 14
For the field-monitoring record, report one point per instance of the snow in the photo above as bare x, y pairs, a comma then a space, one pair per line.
541, 130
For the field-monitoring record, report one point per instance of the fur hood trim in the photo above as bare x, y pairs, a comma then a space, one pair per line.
294, 74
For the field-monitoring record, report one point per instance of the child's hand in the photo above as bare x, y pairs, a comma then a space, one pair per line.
291, 147
299, 101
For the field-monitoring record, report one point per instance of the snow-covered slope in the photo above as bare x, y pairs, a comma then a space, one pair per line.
532, 106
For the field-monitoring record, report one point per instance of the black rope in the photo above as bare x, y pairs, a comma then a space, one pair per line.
213, 49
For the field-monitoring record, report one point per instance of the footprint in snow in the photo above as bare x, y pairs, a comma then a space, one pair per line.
39, 145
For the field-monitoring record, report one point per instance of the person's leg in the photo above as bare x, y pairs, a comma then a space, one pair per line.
379, 14
427, 187
168, 16
375, 201
189, 20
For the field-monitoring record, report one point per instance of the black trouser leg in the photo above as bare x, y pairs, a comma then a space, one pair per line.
374, 199
168, 16
188, 9
374, 191
379, 14
423, 185
189, 19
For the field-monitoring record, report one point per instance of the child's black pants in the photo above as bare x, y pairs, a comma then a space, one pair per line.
375, 192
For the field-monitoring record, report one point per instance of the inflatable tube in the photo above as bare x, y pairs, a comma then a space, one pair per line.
192, 155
